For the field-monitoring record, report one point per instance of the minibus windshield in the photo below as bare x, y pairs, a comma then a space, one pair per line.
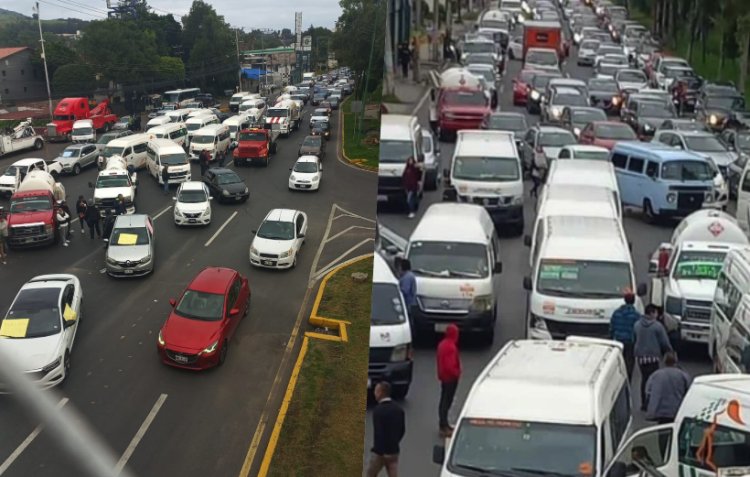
687, 171
490, 169
449, 259
496, 446
583, 278
698, 265
393, 151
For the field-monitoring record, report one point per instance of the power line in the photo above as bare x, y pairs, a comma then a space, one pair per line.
68, 8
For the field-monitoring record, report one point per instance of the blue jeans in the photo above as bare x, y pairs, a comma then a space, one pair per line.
166, 186
412, 198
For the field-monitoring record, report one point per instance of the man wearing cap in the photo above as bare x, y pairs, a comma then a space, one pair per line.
621, 328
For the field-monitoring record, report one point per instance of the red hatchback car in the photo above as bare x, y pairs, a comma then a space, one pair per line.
521, 87
202, 322
606, 134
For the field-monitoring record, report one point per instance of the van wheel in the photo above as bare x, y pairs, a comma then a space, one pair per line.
38, 144
400, 392
648, 212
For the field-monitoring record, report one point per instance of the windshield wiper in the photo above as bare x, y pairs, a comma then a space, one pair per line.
464, 274
431, 273
558, 292
484, 472
542, 472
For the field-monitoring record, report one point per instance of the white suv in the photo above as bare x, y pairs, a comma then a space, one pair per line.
278, 239
192, 204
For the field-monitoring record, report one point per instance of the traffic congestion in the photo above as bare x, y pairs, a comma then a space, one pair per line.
187, 238
566, 296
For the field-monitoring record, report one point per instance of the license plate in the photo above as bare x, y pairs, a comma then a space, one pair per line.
304, 186
192, 221
382, 198
180, 358
441, 327
270, 263
128, 272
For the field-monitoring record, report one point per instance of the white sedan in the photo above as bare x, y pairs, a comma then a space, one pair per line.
40, 327
279, 238
306, 174
192, 204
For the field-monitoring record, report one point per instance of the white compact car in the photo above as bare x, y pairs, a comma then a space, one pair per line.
279, 239
306, 173
40, 327
192, 204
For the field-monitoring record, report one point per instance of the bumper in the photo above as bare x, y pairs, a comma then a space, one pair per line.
234, 198
31, 240
398, 374
561, 329
585, 61
7, 190
41, 380
506, 215
274, 263
694, 332
304, 186
203, 220
178, 179
137, 270
426, 322
249, 160
453, 125
520, 98
188, 359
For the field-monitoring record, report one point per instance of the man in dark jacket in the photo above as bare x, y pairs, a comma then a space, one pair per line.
120, 208
165, 178
389, 426
81, 206
203, 160
651, 342
93, 219
449, 371
411, 178
621, 328
665, 390
109, 224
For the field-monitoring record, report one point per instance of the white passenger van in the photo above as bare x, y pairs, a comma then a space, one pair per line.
200, 112
165, 152
236, 100
486, 170
177, 132
710, 435
256, 103
543, 408
158, 121
179, 115
131, 148
390, 333
585, 172
455, 254
214, 137
729, 336
569, 200
195, 123
237, 123
579, 276
83, 131
400, 138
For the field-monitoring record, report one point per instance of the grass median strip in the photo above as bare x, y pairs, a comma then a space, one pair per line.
362, 149
325, 421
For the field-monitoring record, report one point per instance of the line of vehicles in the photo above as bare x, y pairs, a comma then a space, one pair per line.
673, 153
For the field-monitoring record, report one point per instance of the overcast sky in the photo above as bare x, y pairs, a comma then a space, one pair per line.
239, 13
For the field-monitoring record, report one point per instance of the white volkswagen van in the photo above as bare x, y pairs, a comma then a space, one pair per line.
543, 408
390, 332
165, 152
455, 254
131, 148
177, 132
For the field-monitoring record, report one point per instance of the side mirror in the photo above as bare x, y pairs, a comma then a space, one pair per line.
253, 232
234, 312
642, 290
498, 268
173, 302
527, 285
527, 240
446, 174
301, 236
438, 454
174, 198
69, 323
210, 198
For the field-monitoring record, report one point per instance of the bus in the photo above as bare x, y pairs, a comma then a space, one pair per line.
181, 96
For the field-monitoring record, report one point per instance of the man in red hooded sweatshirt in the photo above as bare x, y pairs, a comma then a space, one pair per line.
449, 370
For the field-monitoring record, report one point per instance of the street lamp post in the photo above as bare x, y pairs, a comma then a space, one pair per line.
44, 57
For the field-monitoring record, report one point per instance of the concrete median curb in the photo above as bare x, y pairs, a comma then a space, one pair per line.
358, 163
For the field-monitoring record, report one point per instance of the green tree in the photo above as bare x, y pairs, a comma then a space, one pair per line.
321, 37
74, 79
359, 40
209, 47
57, 51
171, 70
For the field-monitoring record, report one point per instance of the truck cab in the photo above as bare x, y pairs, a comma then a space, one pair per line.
255, 144
32, 210
83, 131
70, 110
21, 137
462, 102
113, 181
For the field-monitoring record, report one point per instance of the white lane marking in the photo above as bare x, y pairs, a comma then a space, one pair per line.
162, 212
139, 435
347, 213
331, 218
22, 447
216, 234
352, 227
335, 261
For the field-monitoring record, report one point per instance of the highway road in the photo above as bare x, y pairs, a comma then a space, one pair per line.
421, 405
202, 423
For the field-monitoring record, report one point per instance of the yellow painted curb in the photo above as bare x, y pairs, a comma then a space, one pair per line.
359, 163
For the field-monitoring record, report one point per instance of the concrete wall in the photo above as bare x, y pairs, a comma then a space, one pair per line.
19, 80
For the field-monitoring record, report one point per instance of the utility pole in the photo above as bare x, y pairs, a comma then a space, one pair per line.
44, 57
435, 30
417, 39
239, 62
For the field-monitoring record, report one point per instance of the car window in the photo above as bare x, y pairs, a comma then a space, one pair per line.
234, 293
300, 222
564, 154
619, 160
139, 148
635, 165
652, 169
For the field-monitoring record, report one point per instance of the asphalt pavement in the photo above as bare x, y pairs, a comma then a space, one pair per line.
421, 405
205, 424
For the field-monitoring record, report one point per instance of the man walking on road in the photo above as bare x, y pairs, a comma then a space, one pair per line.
389, 426
203, 159
665, 390
81, 206
651, 342
411, 178
93, 219
621, 328
404, 58
165, 178
3, 236
407, 282
449, 371
63, 224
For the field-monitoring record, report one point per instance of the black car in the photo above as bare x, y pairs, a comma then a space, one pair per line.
226, 185
575, 118
736, 141
313, 146
646, 116
318, 98
604, 94
684, 125
507, 121
321, 128
716, 111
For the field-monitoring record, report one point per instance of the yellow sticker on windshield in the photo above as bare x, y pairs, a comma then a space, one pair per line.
69, 314
127, 239
14, 328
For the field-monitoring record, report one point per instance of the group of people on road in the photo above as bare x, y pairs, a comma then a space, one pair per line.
100, 227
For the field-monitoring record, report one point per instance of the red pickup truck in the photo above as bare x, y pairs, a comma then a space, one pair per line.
255, 144
69, 110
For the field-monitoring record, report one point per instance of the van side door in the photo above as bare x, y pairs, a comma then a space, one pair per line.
624, 181
743, 200
636, 167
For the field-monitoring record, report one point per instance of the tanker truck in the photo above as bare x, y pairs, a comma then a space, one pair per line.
33, 205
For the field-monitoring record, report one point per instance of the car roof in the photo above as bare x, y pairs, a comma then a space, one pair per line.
657, 150
222, 170
681, 132
281, 215
466, 223
49, 281
551, 129
381, 273
27, 161
132, 220
193, 185
77, 146
212, 280
586, 147
308, 158
567, 90
507, 114
165, 144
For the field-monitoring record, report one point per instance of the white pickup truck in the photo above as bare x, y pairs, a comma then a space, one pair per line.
19, 138
113, 181
16, 172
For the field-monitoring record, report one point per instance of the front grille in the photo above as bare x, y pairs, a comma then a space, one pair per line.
380, 355
127, 263
690, 200
191, 216
697, 311
178, 174
268, 255
106, 203
446, 305
189, 358
26, 230
562, 329
486, 201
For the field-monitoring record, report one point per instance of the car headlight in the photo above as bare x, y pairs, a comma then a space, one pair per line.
286, 254
709, 198
673, 306
616, 100
713, 119
177, 212
316, 178
145, 259
517, 200
111, 261
671, 197
556, 112
648, 127
537, 323
577, 131
577, 38
246, 190
401, 353
482, 303
535, 95
160, 339
292, 178
51, 366
253, 251
225, 193
210, 349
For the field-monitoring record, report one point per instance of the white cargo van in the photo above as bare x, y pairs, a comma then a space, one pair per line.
455, 255
579, 276
709, 433
165, 152
585, 172
400, 138
83, 131
179, 115
236, 100
214, 138
486, 170
195, 123
131, 148
177, 132
569, 200
256, 103
543, 408
390, 333
158, 121
237, 123
729, 335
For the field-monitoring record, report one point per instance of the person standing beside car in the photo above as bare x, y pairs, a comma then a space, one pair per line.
81, 207
411, 177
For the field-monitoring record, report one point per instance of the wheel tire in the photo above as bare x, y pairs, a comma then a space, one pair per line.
54, 175
400, 392
38, 144
294, 263
237, 163
76, 169
223, 352
265, 163
518, 229
648, 212
488, 337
